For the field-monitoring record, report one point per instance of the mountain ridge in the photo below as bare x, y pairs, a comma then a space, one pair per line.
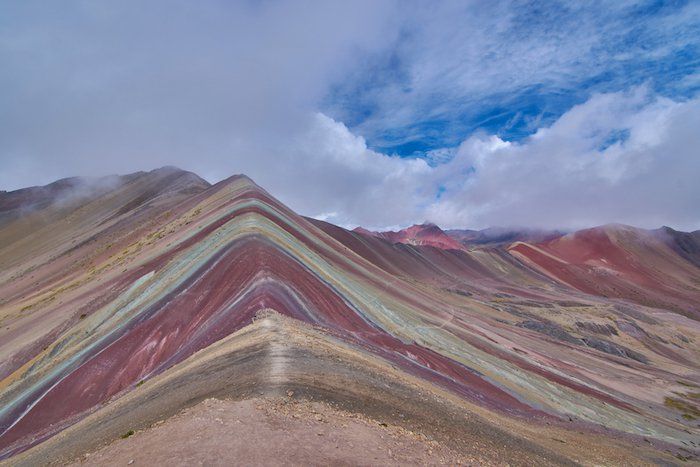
133, 285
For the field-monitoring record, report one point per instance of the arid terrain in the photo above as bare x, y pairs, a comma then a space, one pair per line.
155, 319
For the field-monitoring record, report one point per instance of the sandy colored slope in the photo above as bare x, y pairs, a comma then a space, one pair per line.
273, 432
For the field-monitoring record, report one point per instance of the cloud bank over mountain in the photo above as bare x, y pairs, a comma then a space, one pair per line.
369, 113
619, 157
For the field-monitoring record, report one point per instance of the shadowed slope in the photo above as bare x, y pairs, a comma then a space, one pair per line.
686, 244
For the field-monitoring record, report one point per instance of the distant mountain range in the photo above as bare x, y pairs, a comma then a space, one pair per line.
431, 235
652, 267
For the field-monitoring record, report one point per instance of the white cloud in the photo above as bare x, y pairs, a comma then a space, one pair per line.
89, 88
564, 175
458, 60
329, 172
569, 175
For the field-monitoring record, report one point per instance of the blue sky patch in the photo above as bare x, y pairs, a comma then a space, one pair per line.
535, 62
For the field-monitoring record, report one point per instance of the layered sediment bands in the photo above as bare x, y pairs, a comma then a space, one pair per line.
275, 356
145, 296
645, 267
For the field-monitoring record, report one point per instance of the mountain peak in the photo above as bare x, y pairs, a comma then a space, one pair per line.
425, 234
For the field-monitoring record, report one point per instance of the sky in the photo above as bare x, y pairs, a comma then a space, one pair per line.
377, 113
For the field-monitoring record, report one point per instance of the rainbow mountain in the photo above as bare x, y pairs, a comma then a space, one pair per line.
127, 300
